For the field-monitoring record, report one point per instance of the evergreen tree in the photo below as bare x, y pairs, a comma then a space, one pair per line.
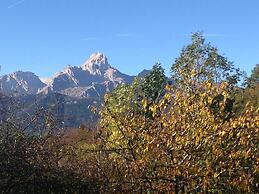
154, 83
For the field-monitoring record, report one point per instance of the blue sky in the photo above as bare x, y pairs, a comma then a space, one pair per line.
44, 36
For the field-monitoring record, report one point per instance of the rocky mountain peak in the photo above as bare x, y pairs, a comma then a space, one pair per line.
98, 58
96, 64
21, 75
68, 70
70, 91
21, 83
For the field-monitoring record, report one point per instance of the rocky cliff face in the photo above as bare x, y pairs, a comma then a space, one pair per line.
95, 74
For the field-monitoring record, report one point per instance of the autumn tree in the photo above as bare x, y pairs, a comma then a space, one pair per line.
192, 144
196, 133
123, 121
33, 155
198, 152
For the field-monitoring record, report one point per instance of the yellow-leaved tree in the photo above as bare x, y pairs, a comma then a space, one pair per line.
194, 142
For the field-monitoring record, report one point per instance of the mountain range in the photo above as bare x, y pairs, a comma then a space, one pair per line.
70, 93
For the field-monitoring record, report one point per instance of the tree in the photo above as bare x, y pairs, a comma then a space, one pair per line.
249, 93
38, 162
190, 145
153, 85
124, 135
253, 80
201, 61
153, 88
197, 152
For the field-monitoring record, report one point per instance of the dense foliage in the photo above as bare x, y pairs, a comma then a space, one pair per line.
194, 143
153, 137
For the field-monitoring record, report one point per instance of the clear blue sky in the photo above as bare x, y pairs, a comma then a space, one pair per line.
44, 36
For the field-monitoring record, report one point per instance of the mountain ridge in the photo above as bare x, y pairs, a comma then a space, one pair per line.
95, 70
70, 93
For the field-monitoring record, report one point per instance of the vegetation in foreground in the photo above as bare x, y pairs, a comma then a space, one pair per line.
197, 133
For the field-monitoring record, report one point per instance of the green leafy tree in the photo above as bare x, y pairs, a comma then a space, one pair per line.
201, 61
154, 83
